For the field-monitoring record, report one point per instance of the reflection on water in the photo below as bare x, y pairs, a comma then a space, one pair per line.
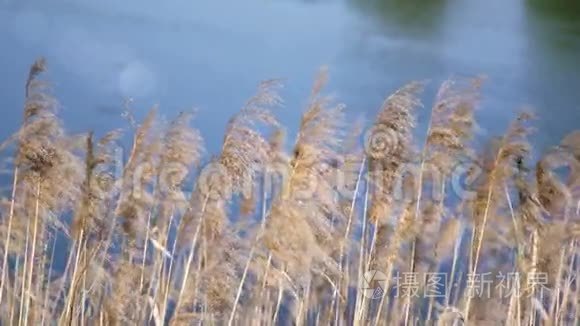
184, 54
553, 77
406, 18
557, 10
528, 49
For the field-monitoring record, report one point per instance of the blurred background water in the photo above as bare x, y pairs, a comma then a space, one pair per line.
210, 54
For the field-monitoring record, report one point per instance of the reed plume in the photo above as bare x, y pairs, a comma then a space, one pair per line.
498, 169
48, 184
446, 146
390, 147
299, 222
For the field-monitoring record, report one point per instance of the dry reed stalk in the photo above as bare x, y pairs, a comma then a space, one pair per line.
244, 154
89, 218
47, 288
47, 180
511, 147
350, 175
350, 214
133, 202
308, 261
360, 300
402, 230
305, 215
182, 148
449, 130
38, 67
138, 173
276, 157
388, 149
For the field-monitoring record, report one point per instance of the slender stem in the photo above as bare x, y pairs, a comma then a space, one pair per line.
24, 271
346, 234
14, 292
478, 242
49, 278
395, 247
278, 303
33, 252
67, 314
145, 247
190, 258
160, 263
456, 248
250, 256
360, 302
8, 234
261, 307
482, 229
303, 303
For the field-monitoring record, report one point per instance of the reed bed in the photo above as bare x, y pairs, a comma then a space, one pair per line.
341, 224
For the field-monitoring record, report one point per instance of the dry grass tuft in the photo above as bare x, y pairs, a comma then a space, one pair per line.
276, 236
